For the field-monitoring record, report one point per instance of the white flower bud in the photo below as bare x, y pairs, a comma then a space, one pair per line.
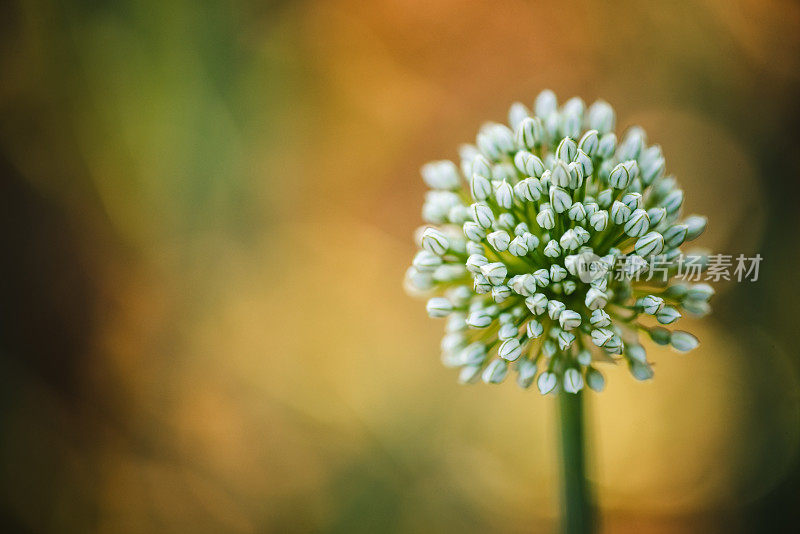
696, 308
675, 235
637, 224
534, 329
416, 280
567, 150
518, 246
695, 225
504, 195
505, 221
640, 371
482, 214
481, 284
546, 219
426, 261
499, 240
480, 187
560, 174
668, 315
575, 175
531, 240
495, 140
659, 335
620, 178
529, 133
573, 381
569, 240
614, 345
565, 340
552, 250
526, 371
557, 273
554, 309
569, 319
591, 208
701, 292
475, 262
607, 145
521, 229
528, 164
619, 212
510, 349
595, 380
469, 374
537, 304
507, 331
482, 167
632, 144
547, 382
479, 319
605, 198
546, 104
495, 272
595, 299
441, 175
473, 231
601, 117
500, 293
600, 319
651, 304
456, 322
516, 114
583, 235
577, 212
601, 336
433, 240
528, 189
549, 348
472, 354
650, 244
589, 143
599, 220
495, 372
585, 162
632, 200
541, 277
453, 342
673, 201
683, 341
439, 307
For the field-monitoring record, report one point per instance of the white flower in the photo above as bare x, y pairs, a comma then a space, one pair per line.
495, 371
495, 272
499, 240
683, 341
650, 244
571, 228
637, 224
439, 307
434, 241
441, 175
573, 381
547, 382
537, 304
569, 319
510, 349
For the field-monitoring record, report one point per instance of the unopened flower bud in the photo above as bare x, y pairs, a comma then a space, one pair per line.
595, 299
668, 315
547, 382
569, 319
619, 212
651, 304
534, 329
441, 175
526, 371
439, 307
499, 240
473, 231
433, 240
595, 380
601, 117
573, 381
683, 341
695, 225
638, 223
600, 319
537, 304
495, 372
509, 349
675, 235
650, 244
554, 309
504, 195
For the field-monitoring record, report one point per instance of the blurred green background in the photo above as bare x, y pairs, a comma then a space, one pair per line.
207, 210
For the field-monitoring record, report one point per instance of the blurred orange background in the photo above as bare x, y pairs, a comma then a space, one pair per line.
207, 214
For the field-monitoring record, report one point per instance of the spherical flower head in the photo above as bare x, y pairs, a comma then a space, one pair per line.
541, 245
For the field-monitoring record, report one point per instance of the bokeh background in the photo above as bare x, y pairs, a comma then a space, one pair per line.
207, 210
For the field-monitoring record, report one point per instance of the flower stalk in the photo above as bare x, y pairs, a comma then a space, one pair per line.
577, 505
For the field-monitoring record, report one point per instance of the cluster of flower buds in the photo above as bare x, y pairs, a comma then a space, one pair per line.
535, 245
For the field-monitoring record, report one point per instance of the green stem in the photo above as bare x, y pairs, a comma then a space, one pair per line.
577, 507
